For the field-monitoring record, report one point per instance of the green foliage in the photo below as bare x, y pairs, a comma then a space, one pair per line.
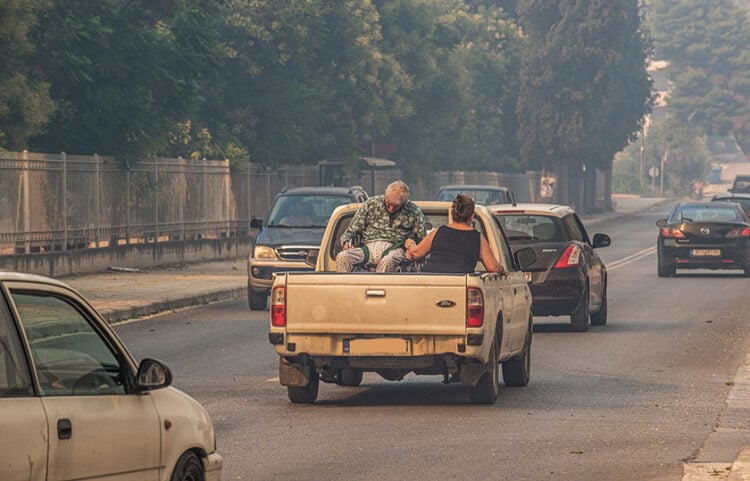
584, 85
682, 148
464, 71
25, 103
124, 74
705, 42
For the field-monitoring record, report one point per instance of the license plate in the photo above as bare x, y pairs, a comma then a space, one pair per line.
527, 276
705, 252
374, 346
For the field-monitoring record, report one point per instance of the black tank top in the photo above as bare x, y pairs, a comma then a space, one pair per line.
453, 251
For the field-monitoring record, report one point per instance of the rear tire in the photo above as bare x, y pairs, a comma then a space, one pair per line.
517, 372
599, 318
256, 301
579, 320
488, 387
188, 468
305, 394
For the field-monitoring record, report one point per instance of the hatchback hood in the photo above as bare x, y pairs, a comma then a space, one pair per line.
298, 236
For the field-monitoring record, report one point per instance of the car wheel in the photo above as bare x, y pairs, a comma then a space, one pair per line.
188, 468
599, 318
488, 387
517, 372
349, 377
305, 394
256, 301
579, 320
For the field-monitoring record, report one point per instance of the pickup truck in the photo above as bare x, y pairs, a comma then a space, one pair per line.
332, 327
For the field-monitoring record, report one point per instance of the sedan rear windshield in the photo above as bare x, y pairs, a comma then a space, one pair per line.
480, 196
531, 227
706, 213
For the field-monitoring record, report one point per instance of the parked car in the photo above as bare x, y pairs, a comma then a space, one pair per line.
74, 404
741, 184
704, 235
742, 199
568, 277
482, 194
296, 221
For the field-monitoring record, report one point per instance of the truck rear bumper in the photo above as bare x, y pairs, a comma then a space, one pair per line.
405, 347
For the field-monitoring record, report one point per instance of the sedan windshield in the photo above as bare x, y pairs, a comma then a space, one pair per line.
304, 210
480, 196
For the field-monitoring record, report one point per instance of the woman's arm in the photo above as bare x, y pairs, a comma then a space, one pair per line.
421, 249
488, 258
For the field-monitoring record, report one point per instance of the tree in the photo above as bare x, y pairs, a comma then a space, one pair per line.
124, 74
307, 80
705, 43
584, 88
25, 103
464, 71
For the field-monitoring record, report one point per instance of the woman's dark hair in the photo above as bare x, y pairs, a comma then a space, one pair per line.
462, 208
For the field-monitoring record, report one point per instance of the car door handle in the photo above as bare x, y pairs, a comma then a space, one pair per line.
64, 429
375, 293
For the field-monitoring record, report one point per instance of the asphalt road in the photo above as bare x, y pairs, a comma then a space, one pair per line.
631, 400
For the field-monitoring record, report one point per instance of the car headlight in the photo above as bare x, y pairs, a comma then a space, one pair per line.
264, 252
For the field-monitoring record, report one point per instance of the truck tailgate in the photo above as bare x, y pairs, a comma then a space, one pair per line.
364, 303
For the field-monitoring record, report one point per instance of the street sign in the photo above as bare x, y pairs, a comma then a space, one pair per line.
653, 171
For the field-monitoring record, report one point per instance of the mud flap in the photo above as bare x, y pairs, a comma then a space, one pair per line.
294, 374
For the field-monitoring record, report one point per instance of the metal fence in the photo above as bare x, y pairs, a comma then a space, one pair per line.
58, 202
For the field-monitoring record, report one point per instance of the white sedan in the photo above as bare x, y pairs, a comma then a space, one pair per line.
75, 405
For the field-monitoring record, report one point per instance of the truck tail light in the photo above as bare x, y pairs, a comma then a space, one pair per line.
278, 306
570, 257
474, 307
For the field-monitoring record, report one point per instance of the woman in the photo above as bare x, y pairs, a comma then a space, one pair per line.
456, 247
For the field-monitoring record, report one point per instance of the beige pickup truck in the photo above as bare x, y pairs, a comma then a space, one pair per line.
332, 327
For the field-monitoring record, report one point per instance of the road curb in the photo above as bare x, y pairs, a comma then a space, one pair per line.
113, 316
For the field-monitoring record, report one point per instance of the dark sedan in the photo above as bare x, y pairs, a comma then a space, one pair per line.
704, 235
568, 277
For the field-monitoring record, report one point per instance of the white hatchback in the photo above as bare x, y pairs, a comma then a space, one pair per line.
75, 405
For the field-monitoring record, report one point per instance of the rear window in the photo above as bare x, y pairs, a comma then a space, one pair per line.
531, 227
706, 213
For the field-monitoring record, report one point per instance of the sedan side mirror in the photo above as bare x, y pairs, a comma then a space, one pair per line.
152, 374
256, 223
661, 222
601, 240
525, 257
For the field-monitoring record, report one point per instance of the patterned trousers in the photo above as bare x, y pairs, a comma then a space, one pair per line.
350, 260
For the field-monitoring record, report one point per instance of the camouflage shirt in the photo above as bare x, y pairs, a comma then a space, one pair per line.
375, 223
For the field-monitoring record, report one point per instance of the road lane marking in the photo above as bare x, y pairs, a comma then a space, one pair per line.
273, 379
631, 258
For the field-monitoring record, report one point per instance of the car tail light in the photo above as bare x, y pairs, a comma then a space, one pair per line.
672, 233
738, 232
278, 306
570, 257
474, 307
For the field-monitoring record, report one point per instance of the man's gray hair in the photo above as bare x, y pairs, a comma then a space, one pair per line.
398, 189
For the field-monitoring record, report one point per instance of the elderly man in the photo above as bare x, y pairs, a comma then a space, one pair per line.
388, 224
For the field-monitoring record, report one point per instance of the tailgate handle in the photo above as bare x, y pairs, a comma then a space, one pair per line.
375, 292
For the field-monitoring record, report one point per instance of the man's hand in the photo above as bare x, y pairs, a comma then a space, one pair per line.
346, 246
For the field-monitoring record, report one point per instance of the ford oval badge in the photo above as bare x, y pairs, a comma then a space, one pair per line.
445, 303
